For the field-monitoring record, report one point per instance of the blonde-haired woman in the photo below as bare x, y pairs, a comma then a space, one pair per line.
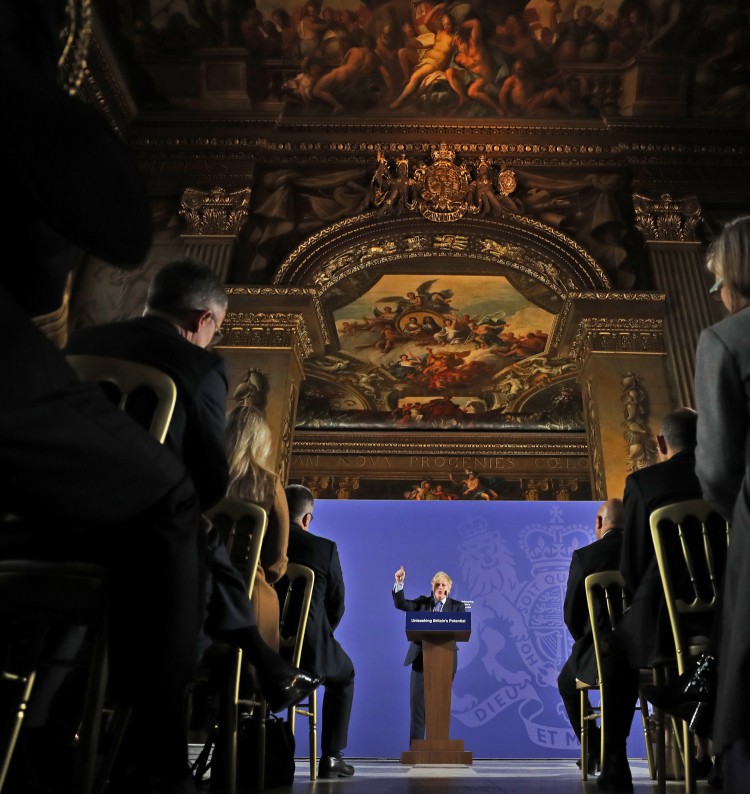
248, 449
722, 393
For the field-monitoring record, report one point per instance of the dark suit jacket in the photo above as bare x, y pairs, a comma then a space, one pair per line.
422, 603
602, 555
722, 383
321, 651
645, 629
197, 430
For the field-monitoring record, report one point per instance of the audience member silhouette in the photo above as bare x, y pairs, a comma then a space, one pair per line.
722, 383
185, 308
321, 651
644, 635
601, 555
109, 489
248, 449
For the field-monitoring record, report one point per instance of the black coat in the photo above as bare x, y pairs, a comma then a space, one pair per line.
321, 651
602, 555
645, 629
197, 430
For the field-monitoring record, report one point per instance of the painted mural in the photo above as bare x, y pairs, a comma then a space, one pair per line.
481, 58
441, 352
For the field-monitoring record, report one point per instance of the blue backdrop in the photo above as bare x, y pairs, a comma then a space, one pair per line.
509, 561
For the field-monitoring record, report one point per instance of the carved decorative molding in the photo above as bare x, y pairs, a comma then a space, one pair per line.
287, 291
667, 219
599, 487
471, 446
443, 191
617, 335
317, 485
345, 486
287, 432
563, 488
215, 212
243, 329
641, 447
531, 488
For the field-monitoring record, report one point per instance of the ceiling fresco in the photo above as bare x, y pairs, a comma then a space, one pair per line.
441, 352
416, 58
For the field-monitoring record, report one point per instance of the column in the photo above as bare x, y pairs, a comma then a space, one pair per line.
678, 267
269, 332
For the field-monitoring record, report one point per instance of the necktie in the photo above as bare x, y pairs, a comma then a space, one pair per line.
438, 606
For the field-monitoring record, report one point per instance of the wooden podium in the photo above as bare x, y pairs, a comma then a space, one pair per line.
438, 632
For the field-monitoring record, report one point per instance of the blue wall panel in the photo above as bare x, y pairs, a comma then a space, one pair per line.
510, 560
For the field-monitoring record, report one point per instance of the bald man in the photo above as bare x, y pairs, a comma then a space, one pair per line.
601, 555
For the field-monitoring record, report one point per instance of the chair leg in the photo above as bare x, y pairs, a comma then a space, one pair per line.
688, 758
117, 730
584, 736
661, 739
260, 755
647, 735
313, 736
228, 721
88, 738
27, 687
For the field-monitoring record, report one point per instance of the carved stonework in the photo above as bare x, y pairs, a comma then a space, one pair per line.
243, 329
317, 485
641, 447
563, 489
618, 335
599, 488
287, 431
531, 489
215, 212
667, 219
442, 191
443, 187
345, 486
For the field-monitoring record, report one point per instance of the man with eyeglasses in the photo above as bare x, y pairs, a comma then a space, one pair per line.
185, 307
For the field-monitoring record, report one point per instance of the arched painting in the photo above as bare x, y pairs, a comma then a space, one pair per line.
441, 352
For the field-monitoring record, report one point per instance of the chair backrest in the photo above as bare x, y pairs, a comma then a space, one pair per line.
130, 380
242, 526
295, 610
690, 542
607, 599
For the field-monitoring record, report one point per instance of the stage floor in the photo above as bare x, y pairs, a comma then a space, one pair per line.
519, 776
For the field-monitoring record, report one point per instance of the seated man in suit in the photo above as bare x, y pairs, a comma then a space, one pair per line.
601, 555
185, 307
644, 634
321, 651
438, 601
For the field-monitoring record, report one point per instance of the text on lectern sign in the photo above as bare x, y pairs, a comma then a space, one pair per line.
455, 623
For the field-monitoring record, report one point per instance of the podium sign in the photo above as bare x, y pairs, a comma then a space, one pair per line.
420, 624
438, 632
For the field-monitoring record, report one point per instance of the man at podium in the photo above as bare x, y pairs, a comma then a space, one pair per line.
438, 601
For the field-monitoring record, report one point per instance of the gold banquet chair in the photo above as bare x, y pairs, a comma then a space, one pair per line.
242, 526
606, 589
295, 611
690, 541
47, 594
